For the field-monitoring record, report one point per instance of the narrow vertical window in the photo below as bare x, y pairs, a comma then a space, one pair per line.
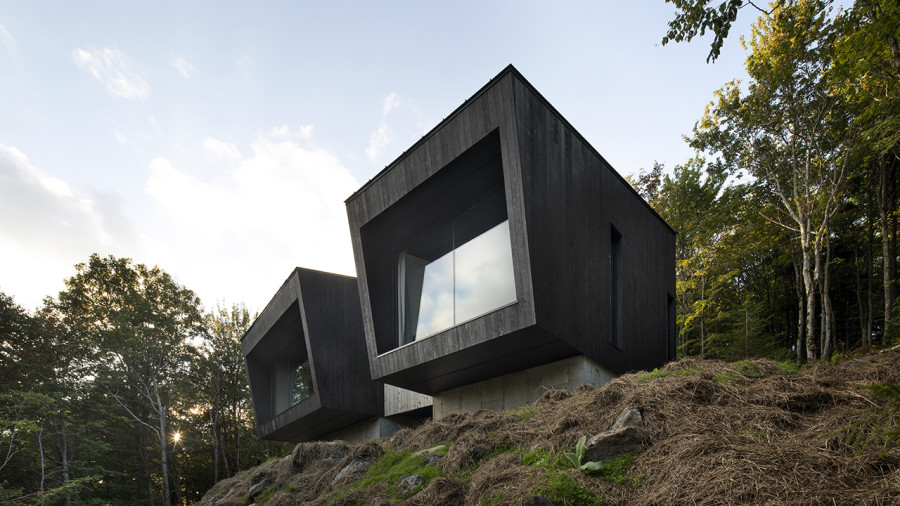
615, 287
670, 325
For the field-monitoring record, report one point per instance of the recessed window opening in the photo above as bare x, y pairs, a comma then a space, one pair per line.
292, 378
615, 287
457, 271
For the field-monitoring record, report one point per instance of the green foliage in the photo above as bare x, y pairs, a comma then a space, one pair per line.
538, 458
388, 469
748, 369
615, 471
561, 488
656, 373
576, 458
696, 17
789, 367
525, 414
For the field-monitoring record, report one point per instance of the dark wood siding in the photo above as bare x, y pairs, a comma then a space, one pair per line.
562, 197
321, 310
572, 198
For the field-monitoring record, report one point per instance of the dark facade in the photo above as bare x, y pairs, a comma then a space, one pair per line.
306, 360
501, 241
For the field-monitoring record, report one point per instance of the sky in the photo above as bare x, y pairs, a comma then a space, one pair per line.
219, 139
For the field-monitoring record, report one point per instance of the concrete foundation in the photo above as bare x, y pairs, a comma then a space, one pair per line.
400, 400
373, 428
521, 388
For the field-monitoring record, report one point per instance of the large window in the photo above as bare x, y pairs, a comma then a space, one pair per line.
457, 271
293, 383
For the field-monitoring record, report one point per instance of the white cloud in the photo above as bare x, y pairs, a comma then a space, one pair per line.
221, 150
112, 68
184, 67
281, 206
389, 103
7, 38
306, 131
399, 125
378, 140
48, 228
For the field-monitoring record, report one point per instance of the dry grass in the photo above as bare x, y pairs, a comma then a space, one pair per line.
715, 433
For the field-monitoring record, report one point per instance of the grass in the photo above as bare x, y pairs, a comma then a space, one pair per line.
538, 458
562, 488
615, 471
748, 369
391, 467
789, 367
656, 373
526, 414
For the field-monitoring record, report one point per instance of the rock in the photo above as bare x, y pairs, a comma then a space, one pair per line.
429, 450
307, 455
227, 503
410, 482
431, 460
380, 502
622, 437
257, 489
341, 502
536, 500
356, 466
629, 417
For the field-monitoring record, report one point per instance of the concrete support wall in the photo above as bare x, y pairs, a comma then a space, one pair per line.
371, 429
521, 388
400, 400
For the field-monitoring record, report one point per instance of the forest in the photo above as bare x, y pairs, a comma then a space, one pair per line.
123, 388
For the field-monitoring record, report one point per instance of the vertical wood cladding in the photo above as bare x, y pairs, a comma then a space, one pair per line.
562, 198
572, 198
322, 311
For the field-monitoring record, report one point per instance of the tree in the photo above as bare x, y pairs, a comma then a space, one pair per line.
695, 17
790, 133
140, 322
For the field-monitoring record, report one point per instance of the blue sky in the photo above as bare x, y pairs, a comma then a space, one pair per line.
219, 140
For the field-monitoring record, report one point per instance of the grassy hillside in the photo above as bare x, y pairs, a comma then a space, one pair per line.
753, 432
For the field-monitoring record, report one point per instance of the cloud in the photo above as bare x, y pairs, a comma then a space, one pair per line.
378, 140
183, 66
383, 135
7, 38
389, 103
48, 228
280, 206
220, 150
111, 67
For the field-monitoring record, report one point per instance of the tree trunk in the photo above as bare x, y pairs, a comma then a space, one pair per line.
870, 304
43, 466
166, 500
886, 203
702, 310
801, 314
827, 312
809, 285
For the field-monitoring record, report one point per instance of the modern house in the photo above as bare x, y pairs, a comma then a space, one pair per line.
501, 255
308, 366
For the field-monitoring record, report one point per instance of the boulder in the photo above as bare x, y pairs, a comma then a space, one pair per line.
432, 460
621, 437
410, 482
355, 466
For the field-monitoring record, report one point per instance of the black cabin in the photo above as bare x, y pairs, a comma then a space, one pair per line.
307, 362
503, 241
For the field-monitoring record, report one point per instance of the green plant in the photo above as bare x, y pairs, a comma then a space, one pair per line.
576, 458
493, 498
656, 373
537, 458
561, 488
789, 367
526, 414
748, 369
615, 471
